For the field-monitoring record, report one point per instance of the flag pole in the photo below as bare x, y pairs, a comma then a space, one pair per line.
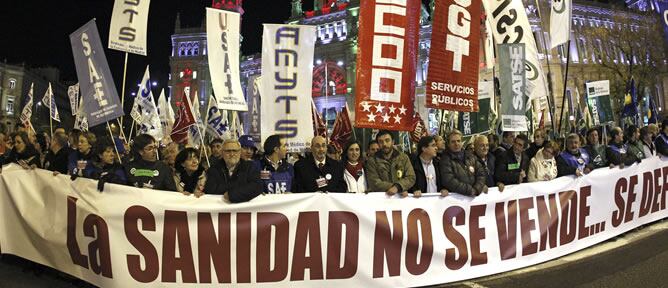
50, 121
550, 97
125, 70
206, 123
563, 98
114, 143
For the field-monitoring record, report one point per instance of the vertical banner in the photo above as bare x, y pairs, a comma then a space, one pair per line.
222, 36
252, 126
511, 25
452, 78
127, 31
97, 88
386, 60
73, 95
478, 122
598, 94
287, 66
560, 22
513, 82
166, 113
663, 11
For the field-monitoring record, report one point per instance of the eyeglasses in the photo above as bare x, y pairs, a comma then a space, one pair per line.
150, 148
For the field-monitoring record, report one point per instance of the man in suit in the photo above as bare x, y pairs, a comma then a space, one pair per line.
318, 172
426, 168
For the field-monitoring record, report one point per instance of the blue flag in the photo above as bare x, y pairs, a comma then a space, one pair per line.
652, 114
630, 100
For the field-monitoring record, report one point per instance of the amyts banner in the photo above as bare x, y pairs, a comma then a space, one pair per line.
598, 95
287, 69
386, 59
478, 122
127, 31
223, 48
98, 92
513, 87
131, 237
452, 79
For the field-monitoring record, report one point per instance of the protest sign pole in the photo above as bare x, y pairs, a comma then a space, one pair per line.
114, 144
125, 70
563, 97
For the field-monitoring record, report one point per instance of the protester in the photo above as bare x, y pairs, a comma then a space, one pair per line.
595, 150
354, 173
169, 153
145, 171
507, 140
41, 146
190, 175
389, 170
573, 160
23, 152
440, 145
248, 148
427, 170
236, 179
634, 147
543, 166
107, 169
216, 146
512, 166
661, 141
372, 148
318, 172
276, 173
493, 140
617, 150
80, 162
649, 149
537, 144
460, 172
486, 160
56, 158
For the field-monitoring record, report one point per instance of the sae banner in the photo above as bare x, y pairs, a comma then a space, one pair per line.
127, 31
386, 60
98, 92
513, 82
287, 66
222, 38
452, 79
134, 237
511, 25
598, 95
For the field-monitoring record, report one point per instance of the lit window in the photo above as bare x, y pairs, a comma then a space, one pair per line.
9, 108
12, 83
181, 74
194, 74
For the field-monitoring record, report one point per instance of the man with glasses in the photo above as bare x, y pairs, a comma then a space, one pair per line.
145, 171
236, 179
318, 172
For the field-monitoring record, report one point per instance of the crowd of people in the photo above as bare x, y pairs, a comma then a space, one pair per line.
239, 171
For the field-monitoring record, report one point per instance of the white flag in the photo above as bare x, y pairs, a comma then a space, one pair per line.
166, 113
223, 51
73, 94
127, 31
560, 22
150, 120
194, 137
50, 101
517, 31
237, 129
27, 110
134, 112
489, 45
81, 122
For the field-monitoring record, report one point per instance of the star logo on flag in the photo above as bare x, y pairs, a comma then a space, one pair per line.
379, 108
392, 109
397, 119
402, 110
366, 106
386, 118
372, 117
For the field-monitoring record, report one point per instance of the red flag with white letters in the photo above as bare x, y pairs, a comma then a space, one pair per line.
452, 77
386, 60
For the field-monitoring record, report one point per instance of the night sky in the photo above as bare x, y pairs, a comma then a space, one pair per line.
38, 34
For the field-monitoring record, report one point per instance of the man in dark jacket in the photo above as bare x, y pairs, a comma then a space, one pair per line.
486, 160
538, 142
513, 165
460, 172
595, 150
237, 180
426, 168
145, 171
617, 149
573, 160
275, 172
661, 141
56, 159
318, 172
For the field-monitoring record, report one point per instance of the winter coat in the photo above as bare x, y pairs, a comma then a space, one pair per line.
276, 181
461, 173
150, 174
80, 165
358, 185
568, 163
190, 183
383, 173
242, 185
541, 169
508, 169
308, 175
597, 155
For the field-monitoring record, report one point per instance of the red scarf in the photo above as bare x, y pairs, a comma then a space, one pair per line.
355, 169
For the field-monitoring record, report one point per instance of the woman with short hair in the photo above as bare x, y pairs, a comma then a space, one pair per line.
190, 177
353, 171
106, 169
543, 166
80, 162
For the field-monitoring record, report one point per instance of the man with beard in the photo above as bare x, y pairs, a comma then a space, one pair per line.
389, 170
573, 160
236, 179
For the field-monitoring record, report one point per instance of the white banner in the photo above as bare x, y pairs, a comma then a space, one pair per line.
511, 25
560, 22
287, 69
131, 237
149, 118
166, 113
127, 31
223, 48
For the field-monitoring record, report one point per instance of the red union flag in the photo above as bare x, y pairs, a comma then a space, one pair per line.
452, 78
386, 60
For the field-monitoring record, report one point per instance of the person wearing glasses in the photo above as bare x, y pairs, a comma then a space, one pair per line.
236, 179
318, 172
145, 171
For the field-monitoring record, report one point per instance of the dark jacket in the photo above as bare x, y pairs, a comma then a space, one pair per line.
29, 155
661, 143
421, 177
75, 158
598, 157
187, 182
110, 173
306, 174
564, 167
507, 170
533, 149
57, 161
489, 169
276, 181
462, 174
636, 150
155, 175
243, 185
618, 154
